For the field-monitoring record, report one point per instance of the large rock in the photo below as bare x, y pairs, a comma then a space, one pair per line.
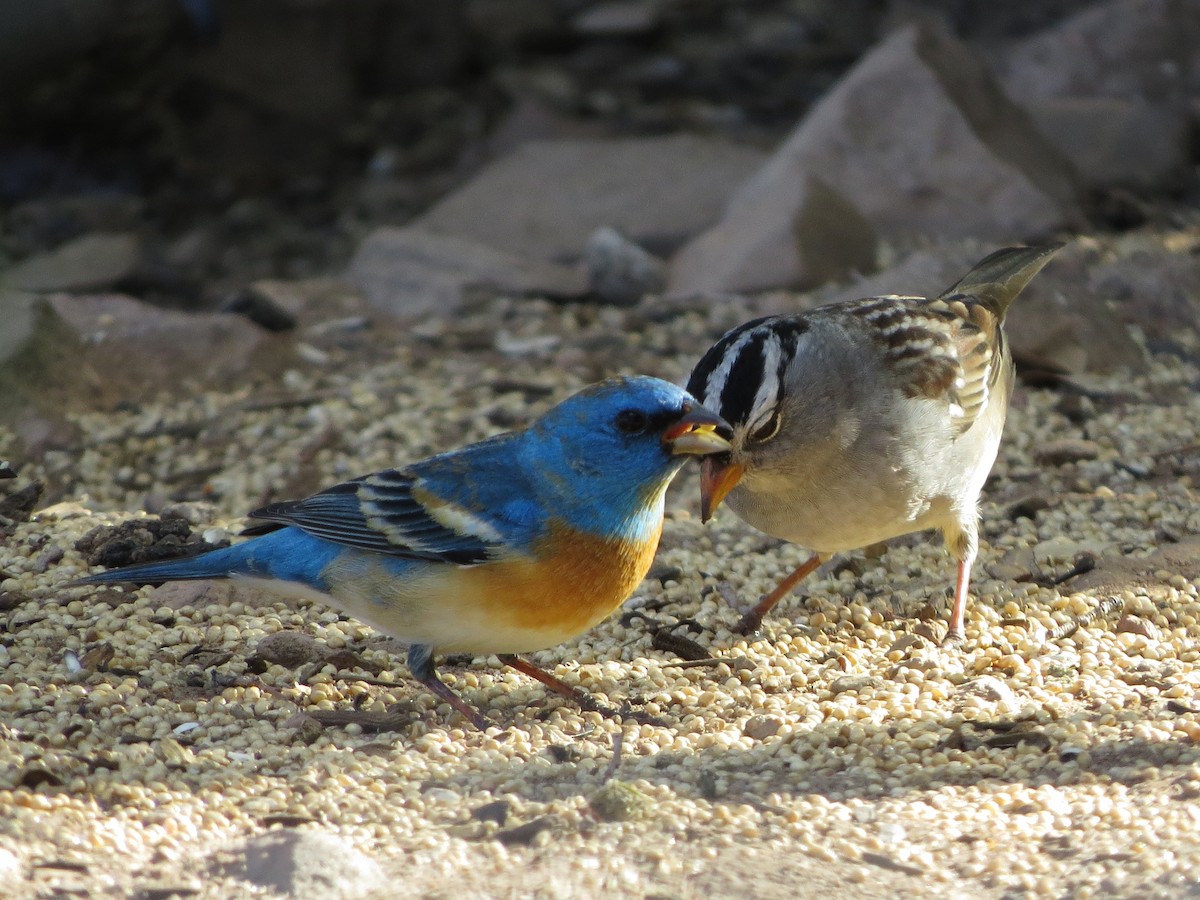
1113, 141
1063, 322
296, 863
92, 262
1133, 49
619, 271
64, 352
411, 272
1152, 283
796, 238
919, 139
131, 342
544, 199
1114, 87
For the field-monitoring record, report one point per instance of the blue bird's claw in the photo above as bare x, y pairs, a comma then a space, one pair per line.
420, 663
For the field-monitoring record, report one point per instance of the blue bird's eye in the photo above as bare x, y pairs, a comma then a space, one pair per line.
631, 421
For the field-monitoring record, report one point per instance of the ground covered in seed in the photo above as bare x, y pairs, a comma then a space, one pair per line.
150, 738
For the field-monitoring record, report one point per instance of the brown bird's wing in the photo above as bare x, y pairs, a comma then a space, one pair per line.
944, 349
952, 347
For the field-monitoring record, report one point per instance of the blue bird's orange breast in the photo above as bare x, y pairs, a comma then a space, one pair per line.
572, 581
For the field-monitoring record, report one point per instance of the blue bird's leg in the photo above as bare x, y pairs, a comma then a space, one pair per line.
582, 700
420, 663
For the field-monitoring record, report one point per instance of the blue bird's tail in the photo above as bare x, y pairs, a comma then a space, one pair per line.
287, 554
215, 564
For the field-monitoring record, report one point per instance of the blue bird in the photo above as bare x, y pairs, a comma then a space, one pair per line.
506, 546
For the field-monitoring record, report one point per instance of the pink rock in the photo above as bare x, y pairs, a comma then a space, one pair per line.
544, 199
409, 272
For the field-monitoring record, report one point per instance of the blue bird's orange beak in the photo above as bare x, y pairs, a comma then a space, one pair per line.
698, 432
718, 476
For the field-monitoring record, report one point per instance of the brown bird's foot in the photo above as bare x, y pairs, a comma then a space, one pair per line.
752, 621
575, 695
953, 639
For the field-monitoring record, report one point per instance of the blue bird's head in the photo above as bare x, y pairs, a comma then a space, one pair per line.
610, 450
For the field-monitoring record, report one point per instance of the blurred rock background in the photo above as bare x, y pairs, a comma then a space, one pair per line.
208, 192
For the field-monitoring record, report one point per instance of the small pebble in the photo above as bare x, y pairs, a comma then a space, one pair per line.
1066, 450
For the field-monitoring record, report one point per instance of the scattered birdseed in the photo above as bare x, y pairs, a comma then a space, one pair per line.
840, 750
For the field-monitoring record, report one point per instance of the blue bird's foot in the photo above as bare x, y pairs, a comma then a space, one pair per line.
420, 663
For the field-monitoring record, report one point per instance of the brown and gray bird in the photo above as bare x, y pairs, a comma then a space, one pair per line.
865, 420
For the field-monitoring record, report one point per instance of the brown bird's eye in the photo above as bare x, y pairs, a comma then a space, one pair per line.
768, 430
631, 421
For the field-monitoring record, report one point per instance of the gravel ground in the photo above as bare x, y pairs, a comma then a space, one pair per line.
145, 738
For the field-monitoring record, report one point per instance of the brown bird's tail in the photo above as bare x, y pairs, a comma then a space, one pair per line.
997, 279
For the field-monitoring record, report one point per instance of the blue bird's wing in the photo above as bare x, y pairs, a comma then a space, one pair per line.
463, 507
380, 513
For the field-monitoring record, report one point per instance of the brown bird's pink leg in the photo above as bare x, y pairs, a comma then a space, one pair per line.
955, 633
752, 621
578, 697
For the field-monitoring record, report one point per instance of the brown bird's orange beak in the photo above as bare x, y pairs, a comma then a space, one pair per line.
718, 476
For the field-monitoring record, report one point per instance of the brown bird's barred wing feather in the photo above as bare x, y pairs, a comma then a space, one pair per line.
916, 337
979, 301
978, 349
952, 347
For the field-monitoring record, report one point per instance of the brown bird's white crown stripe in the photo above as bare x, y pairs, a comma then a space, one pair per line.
741, 376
